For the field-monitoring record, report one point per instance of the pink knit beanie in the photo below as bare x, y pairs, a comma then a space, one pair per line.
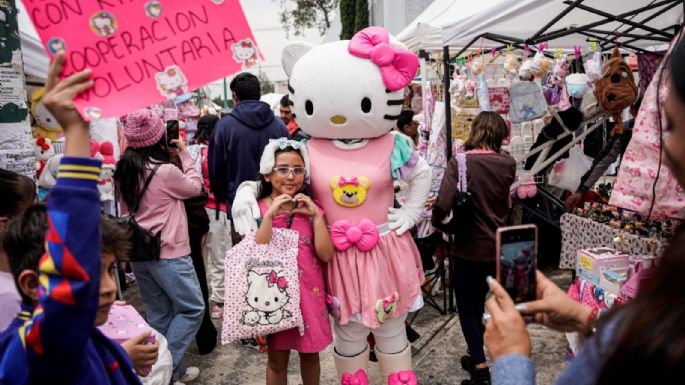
143, 128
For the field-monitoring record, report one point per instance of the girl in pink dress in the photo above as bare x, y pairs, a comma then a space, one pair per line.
284, 204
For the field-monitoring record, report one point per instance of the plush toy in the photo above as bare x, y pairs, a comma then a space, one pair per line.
593, 67
46, 124
511, 65
555, 88
48, 178
376, 274
43, 150
616, 90
105, 185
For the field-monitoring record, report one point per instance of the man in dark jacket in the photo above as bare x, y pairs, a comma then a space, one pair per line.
239, 139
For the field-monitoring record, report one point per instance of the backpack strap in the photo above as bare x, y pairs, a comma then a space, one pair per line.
461, 169
145, 186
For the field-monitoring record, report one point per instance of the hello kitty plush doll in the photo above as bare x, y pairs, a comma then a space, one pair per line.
376, 273
105, 185
43, 150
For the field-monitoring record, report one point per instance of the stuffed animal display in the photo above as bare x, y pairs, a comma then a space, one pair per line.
376, 272
105, 185
616, 90
43, 151
46, 124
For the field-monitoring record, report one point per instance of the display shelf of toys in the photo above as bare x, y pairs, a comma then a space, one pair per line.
596, 224
606, 278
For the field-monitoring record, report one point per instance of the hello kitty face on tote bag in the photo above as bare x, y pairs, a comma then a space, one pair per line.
267, 294
349, 89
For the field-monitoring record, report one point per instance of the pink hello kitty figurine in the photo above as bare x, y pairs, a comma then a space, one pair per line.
375, 275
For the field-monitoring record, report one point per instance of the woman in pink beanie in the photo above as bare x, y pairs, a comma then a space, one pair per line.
169, 286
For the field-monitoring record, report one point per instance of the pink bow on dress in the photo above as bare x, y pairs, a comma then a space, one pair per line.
345, 182
358, 378
274, 279
398, 66
389, 301
364, 235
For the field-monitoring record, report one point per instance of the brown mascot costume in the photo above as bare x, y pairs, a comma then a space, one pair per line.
616, 90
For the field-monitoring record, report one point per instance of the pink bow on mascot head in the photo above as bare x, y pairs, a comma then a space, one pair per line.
398, 66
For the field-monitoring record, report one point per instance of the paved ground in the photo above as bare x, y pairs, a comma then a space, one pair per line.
436, 353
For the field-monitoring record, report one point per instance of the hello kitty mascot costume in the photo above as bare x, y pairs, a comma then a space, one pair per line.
347, 96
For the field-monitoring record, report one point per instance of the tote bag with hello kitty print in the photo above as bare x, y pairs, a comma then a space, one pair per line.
262, 287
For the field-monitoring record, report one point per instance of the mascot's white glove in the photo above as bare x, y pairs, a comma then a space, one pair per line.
419, 181
245, 209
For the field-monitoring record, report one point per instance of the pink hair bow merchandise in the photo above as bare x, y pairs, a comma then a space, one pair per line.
398, 66
364, 235
359, 378
274, 279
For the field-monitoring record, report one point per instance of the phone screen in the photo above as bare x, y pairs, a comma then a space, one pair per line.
516, 263
171, 132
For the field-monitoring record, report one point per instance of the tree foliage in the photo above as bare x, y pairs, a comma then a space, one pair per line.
267, 86
298, 15
354, 16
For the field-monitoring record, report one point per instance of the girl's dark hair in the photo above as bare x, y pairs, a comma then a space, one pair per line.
205, 128
25, 241
131, 169
17, 192
488, 131
266, 188
648, 346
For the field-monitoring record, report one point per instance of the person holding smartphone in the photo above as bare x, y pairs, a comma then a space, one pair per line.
169, 286
490, 175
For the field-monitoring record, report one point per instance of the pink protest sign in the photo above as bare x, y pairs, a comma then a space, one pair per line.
144, 51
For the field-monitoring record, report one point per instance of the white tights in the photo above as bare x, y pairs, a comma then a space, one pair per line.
391, 337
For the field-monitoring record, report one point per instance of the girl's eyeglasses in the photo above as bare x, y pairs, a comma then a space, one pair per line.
284, 171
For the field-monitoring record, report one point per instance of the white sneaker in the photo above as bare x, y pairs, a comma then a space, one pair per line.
191, 373
178, 383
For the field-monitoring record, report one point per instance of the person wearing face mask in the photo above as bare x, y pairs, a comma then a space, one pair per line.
642, 342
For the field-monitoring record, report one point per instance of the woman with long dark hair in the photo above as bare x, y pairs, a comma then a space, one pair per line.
489, 175
169, 286
218, 240
642, 342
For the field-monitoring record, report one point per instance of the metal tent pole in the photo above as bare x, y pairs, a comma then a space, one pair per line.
622, 19
557, 18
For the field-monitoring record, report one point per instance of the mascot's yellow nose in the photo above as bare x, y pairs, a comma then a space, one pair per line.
338, 119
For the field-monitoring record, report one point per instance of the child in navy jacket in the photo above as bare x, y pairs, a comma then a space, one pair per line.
58, 343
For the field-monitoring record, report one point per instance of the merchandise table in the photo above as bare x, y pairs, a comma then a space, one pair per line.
582, 233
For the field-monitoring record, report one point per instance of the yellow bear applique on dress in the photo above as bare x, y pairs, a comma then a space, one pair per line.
349, 192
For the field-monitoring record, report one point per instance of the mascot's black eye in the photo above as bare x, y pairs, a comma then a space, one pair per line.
366, 105
309, 107
256, 299
275, 299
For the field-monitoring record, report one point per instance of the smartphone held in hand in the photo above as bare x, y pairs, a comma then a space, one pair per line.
517, 248
172, 132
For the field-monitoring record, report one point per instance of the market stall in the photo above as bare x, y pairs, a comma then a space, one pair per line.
553, 70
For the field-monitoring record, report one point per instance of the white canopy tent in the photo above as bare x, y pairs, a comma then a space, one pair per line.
425, 31
639, 23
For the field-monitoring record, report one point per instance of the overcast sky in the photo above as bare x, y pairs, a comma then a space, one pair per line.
263, 18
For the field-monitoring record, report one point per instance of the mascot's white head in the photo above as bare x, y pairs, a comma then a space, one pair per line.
350, 89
